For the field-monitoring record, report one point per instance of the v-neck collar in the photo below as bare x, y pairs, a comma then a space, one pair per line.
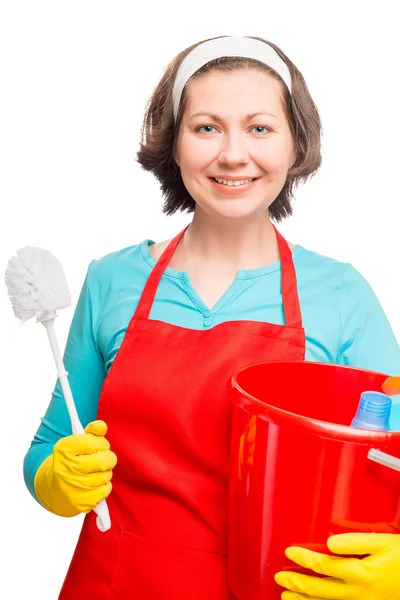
241, 276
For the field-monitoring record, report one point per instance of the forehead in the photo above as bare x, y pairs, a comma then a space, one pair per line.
244, 90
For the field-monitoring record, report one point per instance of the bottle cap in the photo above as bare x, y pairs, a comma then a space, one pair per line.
373, 411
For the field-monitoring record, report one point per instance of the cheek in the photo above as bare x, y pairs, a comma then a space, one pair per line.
272, 157
267, 159
198, 154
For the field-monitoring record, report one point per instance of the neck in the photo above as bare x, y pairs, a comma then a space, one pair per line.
231, 246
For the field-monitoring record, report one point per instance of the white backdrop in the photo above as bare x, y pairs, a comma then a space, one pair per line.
75, 78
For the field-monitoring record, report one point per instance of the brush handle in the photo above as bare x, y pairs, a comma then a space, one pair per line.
103, 520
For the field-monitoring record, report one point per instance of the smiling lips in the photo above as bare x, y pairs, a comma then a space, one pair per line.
233, 181
233, 185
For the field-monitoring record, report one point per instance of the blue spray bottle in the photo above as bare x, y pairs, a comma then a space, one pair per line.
373, 411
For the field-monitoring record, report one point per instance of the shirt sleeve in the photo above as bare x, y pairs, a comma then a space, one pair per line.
86, 373
366, 339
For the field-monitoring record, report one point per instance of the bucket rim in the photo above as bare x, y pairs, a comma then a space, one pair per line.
325, 429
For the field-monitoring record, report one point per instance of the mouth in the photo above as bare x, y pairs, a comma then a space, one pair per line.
233, 187
234, 182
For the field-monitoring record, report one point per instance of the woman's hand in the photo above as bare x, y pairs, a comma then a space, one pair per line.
375, 577
77, 475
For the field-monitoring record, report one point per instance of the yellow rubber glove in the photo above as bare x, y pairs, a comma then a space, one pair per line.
76, 476
374, 577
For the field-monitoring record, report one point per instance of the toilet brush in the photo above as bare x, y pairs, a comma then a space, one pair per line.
37, 287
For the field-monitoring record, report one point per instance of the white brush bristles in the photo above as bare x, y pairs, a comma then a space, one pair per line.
36, 283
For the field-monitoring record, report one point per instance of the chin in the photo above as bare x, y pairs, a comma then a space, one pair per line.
237, 212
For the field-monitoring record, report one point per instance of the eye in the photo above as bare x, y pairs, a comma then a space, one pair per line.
208, 128
205, 126
261, 127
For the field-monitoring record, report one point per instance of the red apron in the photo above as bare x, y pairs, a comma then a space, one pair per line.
166, 405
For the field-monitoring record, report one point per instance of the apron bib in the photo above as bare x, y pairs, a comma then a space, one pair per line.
169, 418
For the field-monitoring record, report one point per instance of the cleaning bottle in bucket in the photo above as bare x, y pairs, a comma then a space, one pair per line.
373, 412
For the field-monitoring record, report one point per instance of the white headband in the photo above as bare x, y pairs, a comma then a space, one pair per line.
227, 46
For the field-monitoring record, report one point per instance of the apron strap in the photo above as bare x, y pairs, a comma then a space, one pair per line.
290, 297
149, 291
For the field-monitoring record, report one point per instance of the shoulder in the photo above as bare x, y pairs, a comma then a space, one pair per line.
318, 271
157, 249
315, 270
325, 282
357, 296
119, 263
119, 258
316, 259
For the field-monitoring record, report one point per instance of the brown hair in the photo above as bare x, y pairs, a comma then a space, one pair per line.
159, 131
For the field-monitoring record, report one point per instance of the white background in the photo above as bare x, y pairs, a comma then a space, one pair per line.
75, 79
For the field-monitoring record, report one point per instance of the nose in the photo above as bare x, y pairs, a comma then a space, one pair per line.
234, 150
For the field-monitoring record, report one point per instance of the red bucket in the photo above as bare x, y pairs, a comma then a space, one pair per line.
299, 472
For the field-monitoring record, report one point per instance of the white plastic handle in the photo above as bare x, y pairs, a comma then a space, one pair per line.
384, 459
103, 520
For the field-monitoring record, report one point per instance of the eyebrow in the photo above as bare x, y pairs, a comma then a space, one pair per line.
221, 119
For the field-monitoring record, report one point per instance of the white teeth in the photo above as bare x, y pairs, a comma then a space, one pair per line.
233, 183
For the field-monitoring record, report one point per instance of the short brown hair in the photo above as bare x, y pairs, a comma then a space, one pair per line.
160, 131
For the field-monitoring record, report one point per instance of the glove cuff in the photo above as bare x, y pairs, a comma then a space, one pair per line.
46, 492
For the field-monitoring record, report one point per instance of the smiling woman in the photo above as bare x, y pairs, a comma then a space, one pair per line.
159, 329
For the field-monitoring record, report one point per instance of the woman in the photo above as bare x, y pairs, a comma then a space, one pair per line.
159, 328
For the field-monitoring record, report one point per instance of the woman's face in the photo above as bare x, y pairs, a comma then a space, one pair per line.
234, 128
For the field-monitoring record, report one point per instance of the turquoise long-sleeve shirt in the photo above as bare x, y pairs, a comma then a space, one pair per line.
342, 317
